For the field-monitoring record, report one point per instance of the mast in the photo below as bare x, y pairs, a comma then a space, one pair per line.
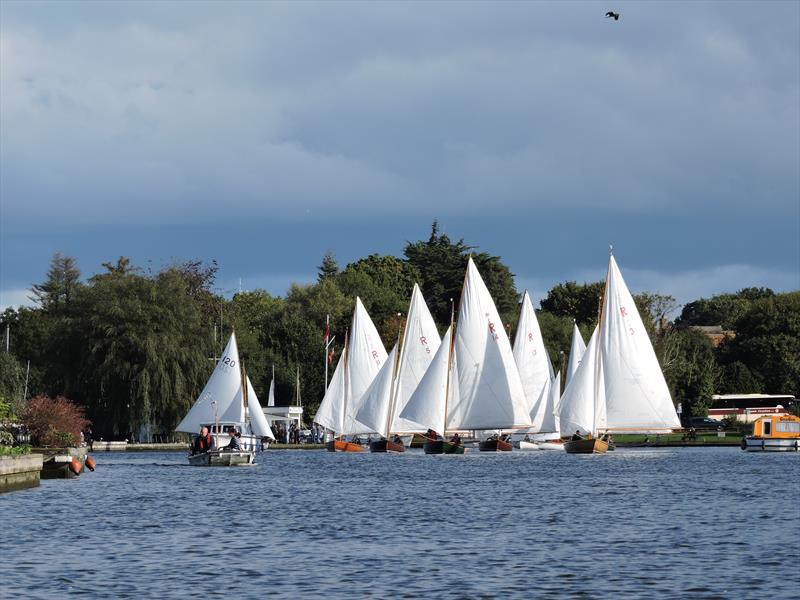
450, 360
346, 378
393, 389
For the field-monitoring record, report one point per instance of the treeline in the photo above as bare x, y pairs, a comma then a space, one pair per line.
135, 347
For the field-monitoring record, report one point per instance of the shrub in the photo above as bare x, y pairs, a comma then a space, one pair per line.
54, 421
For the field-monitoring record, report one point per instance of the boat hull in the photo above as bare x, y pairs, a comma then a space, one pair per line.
752, 444
548, 445
223, 458
593, 446
442, 447
343, 446
495, 445
386, 446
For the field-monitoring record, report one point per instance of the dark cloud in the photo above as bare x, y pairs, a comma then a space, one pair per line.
540, 130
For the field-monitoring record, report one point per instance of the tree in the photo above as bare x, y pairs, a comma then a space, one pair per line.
442, 264
690, 369
579, 301
328, 268
59, 289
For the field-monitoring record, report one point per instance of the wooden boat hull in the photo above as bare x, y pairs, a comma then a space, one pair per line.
56, 462
592, 446
754, 444
223, 458
386, 446
442, 447
343, 446
495, 445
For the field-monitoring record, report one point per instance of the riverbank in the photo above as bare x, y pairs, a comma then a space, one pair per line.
677, 440
183, 447
20, 472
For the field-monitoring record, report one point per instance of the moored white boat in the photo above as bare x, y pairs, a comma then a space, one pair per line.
774, 433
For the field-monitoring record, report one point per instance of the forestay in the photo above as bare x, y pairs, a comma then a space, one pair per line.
577, 407
223, 388
258, 422
490, 391
426, 405
374, 411
331, 409
576, 351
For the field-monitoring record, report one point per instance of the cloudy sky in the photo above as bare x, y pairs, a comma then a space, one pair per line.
261, 134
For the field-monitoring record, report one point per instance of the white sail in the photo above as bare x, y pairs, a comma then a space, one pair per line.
258, 422
420, 343
224, 388
271, 397
576, 351
555, 395
576, 409
637, 396
374, 410
331, 409
533, 364
365, 357
490, 391
426, 405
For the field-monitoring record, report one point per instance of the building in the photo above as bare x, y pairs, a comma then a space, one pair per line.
715, 333
748, 407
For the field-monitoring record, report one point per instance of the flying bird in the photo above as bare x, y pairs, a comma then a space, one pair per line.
613, 15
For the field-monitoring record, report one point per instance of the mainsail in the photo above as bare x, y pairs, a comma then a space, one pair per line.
490, 391
637, 396
271, 397
535, 370
221, 392
618, 385
576, 351
365, 357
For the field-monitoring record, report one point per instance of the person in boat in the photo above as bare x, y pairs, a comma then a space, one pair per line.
397, 439
456, 439
203, 442
431, 435
235, 443
577, 435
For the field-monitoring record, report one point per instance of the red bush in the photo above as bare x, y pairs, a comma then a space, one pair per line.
54, 421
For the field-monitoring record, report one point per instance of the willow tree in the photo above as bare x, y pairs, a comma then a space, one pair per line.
146, 351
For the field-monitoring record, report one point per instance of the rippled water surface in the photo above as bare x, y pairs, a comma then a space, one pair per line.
635, 523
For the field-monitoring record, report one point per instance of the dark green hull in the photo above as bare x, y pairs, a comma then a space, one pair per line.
442, 447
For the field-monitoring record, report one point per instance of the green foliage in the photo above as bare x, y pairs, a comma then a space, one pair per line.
328, 268
442, 264
723, 309
61, 285
14, 450
6, 438
12, 383
688, 362
579, 301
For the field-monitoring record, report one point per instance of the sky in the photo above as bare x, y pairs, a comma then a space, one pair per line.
261, 134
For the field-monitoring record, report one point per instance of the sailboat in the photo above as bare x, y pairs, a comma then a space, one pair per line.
473, 381
228, 403
360, 362
576, 350
619, 385
535, 371
399, 376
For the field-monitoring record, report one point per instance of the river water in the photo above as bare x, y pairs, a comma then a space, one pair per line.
635, 523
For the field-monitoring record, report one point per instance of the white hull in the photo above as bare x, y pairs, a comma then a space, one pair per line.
523, 445
771, 445
223, 458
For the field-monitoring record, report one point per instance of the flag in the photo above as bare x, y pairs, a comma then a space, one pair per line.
327, 335
330, 356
